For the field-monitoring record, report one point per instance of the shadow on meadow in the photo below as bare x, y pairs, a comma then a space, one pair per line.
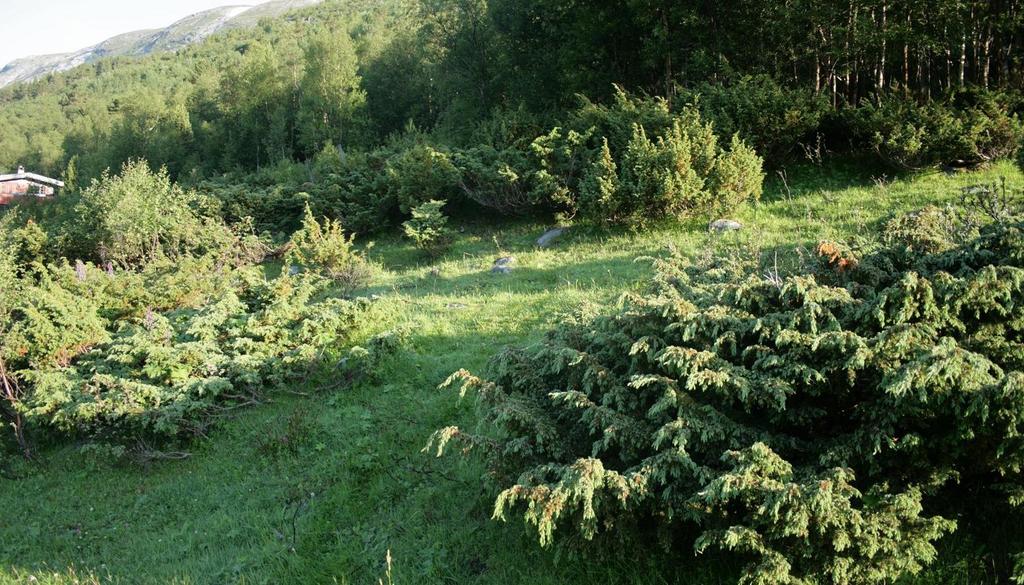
318, 485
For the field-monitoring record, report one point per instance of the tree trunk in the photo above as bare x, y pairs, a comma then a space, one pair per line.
928, 79
949, 68
817, 73
972, 63
963, 58
666, 50
906, 59
986, 56
881, 65
919, 73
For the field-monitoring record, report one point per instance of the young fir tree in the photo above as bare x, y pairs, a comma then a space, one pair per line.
599, 200
428, 228
324, 247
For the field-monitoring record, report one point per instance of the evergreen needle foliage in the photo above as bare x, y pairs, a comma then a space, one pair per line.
191, 328
428, 229
325, 248
826, 427
164, 374
829, 426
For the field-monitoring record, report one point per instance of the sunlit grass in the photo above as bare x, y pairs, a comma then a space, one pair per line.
357, 485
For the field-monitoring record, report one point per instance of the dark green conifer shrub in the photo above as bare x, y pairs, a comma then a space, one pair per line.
359, 193
561, 156
929, 230
825, 427
273, 210
501, 180
599, 189
967, 127
421, 173
55, 323
615, 120
769, 117
163, 375
156, 350
671, 165
635, 161
133, 217
30, 240
737, 176
660, 178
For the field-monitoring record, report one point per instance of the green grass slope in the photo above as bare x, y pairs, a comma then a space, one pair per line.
318, 486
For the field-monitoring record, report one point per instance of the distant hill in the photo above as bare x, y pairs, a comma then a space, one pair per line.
186, 31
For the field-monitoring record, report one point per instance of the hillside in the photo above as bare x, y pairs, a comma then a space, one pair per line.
187, 31
317, 485
520, 292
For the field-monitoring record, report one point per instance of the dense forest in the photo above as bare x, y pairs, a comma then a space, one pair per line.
826, 389
858, 74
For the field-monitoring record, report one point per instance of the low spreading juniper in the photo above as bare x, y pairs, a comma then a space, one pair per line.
826, 427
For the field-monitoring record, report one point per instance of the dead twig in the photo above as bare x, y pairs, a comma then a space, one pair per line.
12, 395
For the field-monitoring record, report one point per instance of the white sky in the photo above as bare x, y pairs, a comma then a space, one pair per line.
39, 27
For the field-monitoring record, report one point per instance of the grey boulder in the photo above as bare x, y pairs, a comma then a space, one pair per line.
550, 236
725, 225
503, 265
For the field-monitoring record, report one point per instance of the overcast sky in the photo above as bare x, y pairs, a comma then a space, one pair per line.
39, 27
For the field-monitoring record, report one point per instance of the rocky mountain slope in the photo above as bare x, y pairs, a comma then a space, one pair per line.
186, 31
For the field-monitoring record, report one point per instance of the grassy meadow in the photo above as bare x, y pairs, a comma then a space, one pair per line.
323, 483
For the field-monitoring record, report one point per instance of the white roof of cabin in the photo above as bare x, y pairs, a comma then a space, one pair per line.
21, 175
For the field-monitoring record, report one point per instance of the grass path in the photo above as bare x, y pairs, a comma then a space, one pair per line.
316, 488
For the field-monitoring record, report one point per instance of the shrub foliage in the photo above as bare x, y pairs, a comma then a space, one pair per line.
428, 229
164, 374
771, 118
628, 162
180, 325
129, 218
635, 160
967, 127
826, 427
324, 247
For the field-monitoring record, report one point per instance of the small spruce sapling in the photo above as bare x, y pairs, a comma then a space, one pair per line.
599, 189
428, 228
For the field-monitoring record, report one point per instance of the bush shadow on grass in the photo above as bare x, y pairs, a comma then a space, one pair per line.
834, 172
526, 279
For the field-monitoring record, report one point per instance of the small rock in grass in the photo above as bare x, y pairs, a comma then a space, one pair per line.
725, 225
503, 265
976, 190
550, 236
456, 306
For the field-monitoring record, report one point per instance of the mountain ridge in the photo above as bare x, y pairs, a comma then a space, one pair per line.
183, 32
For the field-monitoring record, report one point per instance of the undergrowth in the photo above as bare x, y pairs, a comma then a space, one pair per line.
325, 476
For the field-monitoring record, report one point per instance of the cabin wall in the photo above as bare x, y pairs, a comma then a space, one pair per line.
12, 189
